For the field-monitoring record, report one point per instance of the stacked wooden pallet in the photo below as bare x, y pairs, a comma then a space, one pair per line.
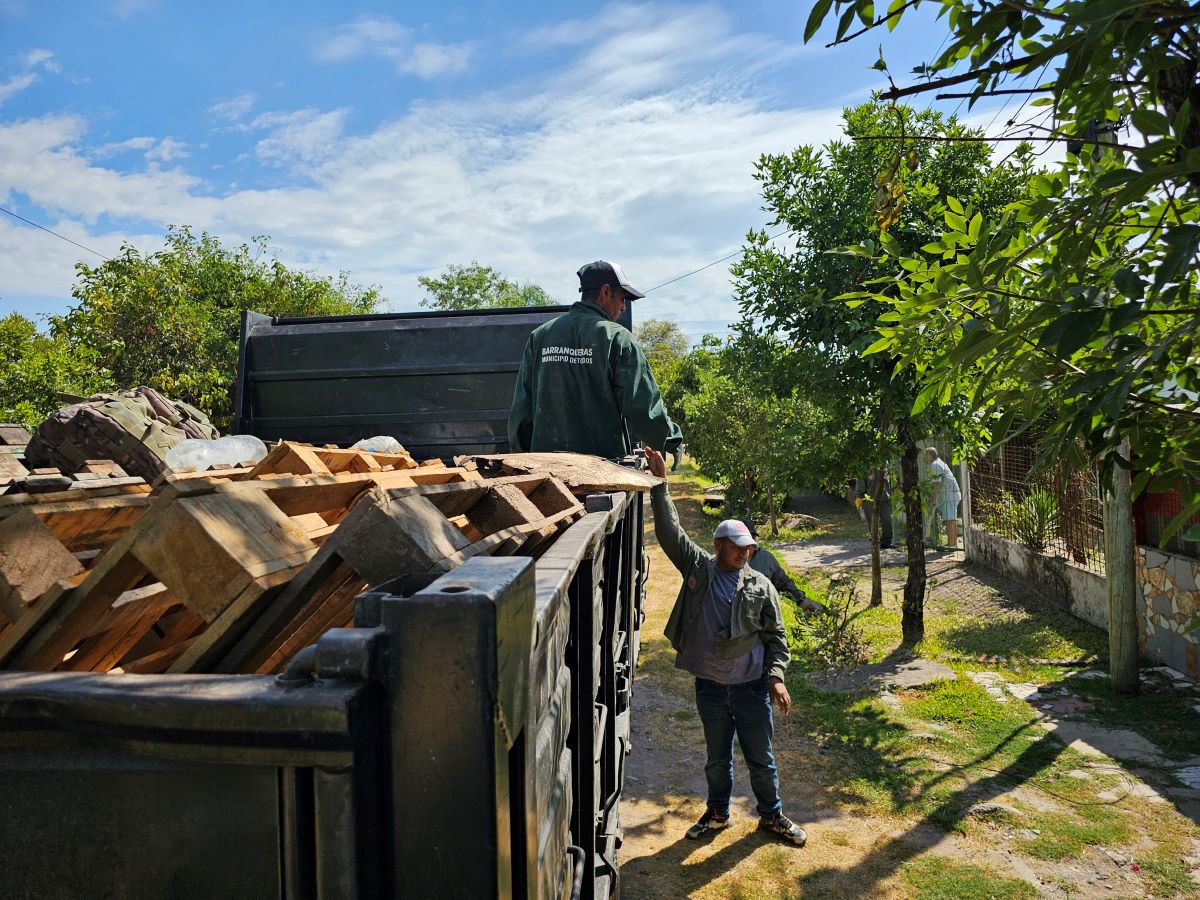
236, 570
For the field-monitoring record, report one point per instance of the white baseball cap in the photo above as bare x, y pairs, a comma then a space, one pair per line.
736, 531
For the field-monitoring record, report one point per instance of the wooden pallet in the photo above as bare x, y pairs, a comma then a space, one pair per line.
237, 575
389, 533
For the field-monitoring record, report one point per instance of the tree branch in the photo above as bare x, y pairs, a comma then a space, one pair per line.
875, 24
946, 139
973, 75
1035, 11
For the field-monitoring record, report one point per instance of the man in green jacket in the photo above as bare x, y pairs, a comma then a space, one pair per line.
727, 630
583, 377
764, 562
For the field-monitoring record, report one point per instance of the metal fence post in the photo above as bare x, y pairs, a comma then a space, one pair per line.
458, 679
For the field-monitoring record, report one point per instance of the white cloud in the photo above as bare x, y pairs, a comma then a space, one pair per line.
127, 9
649, 164
34, 59
233, 108
360, 38
152, 148
167, 150
44, 58
431, 60
392, 41
305, 136
16, 84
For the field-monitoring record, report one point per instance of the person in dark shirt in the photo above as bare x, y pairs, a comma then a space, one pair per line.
583, 378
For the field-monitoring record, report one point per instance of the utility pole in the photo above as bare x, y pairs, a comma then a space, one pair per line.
1120, 565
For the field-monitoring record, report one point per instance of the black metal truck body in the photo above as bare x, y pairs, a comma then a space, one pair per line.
466, 738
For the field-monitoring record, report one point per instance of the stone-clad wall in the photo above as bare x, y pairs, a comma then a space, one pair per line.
1169, 600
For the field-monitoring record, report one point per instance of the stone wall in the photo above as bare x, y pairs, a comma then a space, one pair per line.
1168, 589
1168, 602
1082, 593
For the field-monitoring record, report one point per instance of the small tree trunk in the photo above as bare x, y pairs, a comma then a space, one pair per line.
771, 510
1119, 566
913, 610
876, 564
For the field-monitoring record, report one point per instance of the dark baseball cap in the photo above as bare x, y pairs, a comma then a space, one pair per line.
599, 273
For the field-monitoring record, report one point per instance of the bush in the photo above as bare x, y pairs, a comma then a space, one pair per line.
1032, 520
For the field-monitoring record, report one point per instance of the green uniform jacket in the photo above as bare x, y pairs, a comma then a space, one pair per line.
756, 615
581, 377
764, 562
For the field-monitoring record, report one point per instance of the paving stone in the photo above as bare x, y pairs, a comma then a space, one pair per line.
882, 676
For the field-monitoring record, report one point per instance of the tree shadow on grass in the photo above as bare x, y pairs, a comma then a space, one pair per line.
886, 859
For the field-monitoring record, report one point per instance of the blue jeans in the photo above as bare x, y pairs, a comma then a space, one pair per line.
744, 710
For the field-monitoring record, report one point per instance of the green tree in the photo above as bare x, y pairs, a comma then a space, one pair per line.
36, 368
743, 434
1076, 307
705, 357
479, 287
665, 346
171, 319
831, 197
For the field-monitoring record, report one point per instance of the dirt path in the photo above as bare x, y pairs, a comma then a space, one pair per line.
853, 853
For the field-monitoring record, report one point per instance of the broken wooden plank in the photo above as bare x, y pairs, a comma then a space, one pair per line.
209, 549
578, 471
12, 434
32, 559
290, 458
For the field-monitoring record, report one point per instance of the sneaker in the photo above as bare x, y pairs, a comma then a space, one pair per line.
784, 827
709, 822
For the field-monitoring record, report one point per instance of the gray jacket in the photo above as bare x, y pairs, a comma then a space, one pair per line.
756, 616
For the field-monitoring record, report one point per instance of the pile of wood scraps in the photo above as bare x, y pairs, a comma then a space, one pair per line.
236, 570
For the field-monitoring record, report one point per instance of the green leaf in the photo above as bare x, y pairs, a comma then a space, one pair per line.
866, 13
955, 205
928, 393
882, 344
893, 7
1129, 284
1150, 122
1193, 533
845, 22
1124, 314
955, 222
890, 245
1071, 331
974, 226
819, 11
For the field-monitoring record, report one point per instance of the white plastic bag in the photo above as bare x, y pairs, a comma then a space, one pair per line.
229, 450
381, 443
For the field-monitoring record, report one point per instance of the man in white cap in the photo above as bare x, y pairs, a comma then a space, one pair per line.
583, 378
727, 630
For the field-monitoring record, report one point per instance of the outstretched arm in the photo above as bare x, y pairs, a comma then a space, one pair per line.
683, 552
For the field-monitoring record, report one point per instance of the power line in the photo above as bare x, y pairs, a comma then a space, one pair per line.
55, 233
711, 264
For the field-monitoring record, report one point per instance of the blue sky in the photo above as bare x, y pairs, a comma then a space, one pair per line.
389, 140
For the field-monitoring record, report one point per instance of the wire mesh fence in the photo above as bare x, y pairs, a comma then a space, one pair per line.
1056, 511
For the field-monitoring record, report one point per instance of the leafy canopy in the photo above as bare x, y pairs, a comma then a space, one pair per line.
171, 319
479, 287
665, 346
36, 368
835, 196
745, 435
1075, 307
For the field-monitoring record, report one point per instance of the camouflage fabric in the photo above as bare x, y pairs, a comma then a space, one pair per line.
134, 428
